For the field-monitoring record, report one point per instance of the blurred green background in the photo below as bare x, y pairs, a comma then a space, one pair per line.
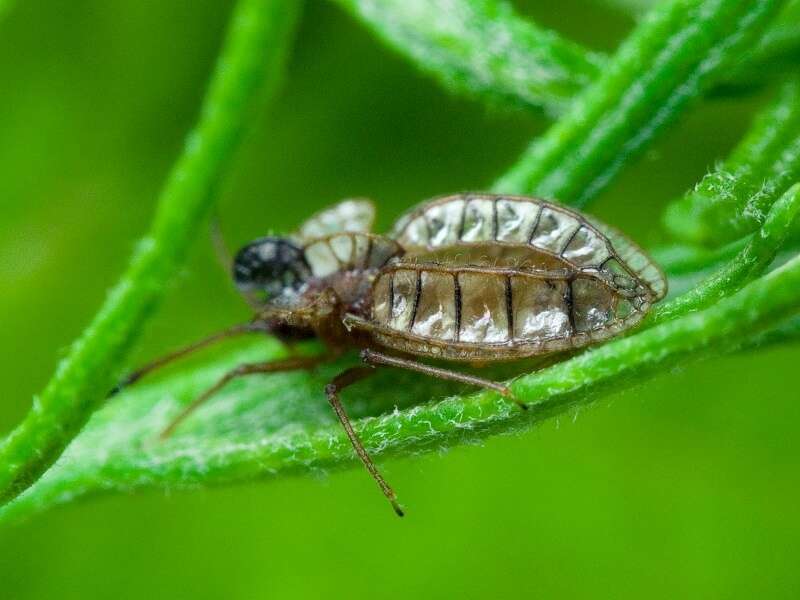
686, 487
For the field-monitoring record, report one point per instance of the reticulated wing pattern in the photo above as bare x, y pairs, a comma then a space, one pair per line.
584, 243
355, 215
343, 252
479, 313
635, 258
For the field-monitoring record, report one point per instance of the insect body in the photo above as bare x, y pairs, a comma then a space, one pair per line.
481, 278
492, 278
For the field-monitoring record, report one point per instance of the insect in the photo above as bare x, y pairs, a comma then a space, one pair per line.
475, 277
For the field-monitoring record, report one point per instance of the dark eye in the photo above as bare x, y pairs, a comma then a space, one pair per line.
270, 265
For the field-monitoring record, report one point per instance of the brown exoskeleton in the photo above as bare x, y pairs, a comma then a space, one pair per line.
477, 278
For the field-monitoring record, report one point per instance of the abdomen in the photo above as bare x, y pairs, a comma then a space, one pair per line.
480, 313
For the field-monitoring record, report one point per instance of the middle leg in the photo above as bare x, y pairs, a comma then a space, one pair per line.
341, 381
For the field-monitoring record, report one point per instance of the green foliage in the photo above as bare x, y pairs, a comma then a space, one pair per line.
776, 52
264, 427
751, 262
483, 48
781, 41
254, 52
278, 424
734, 199
672, 57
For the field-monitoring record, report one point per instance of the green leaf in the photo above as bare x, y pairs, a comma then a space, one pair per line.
751, 262
682, 259
265, 426
780, 43
777, 51
273, 425
734, 199
5, 7
254, 53
672, 57
788, 332
482, 48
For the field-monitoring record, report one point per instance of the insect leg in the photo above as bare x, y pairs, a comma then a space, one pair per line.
376, 358
341, 381
251, 327
293, 363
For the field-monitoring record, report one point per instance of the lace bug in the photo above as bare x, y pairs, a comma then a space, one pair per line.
475, 277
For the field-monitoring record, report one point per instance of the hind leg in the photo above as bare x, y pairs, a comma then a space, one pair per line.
378, 359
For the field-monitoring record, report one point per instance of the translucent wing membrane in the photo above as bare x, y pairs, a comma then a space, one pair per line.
583, 243
477, 277
492, 277
480, 313
342, 252
633, 256
352, 215
342, 263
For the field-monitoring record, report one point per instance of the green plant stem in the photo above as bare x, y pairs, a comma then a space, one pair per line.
482, 48
672, 57
682, 259
118, 454
788, 332
776, 53
254, 52
751, 262
282, 424
781, 40
733, 200
5, 7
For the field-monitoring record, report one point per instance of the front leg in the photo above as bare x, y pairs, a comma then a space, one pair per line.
293, 363
254, 326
